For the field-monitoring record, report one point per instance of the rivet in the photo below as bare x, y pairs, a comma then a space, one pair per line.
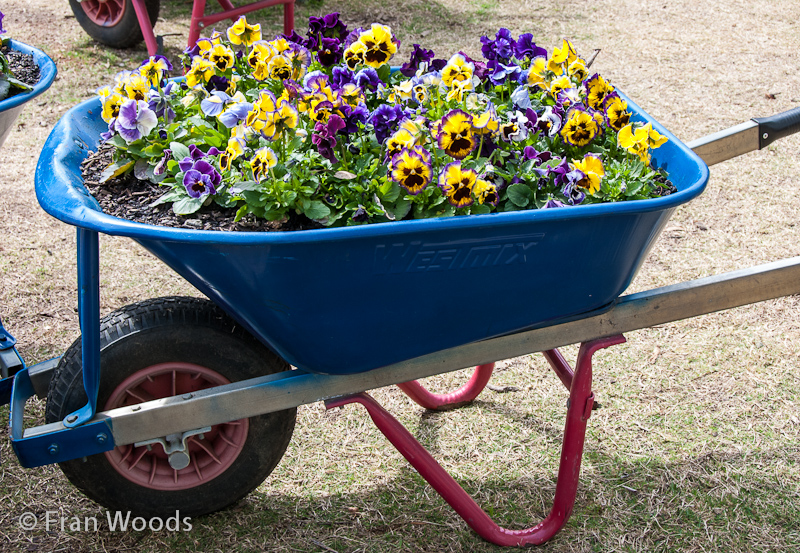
136, 407
72, 418
52, 449
101, 438
765, 135
187, 396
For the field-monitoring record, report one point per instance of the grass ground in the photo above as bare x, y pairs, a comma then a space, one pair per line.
696, 447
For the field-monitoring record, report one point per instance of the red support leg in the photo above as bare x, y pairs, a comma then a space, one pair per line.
288, 18
198, 12
441, 402
146, 26
559, 366
581, 400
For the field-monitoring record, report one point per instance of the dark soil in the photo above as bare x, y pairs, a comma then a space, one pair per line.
127, 197
22, 66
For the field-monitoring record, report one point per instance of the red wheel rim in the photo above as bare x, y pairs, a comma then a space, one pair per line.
209, 457
105, 13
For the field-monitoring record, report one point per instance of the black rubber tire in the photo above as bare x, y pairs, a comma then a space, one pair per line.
125, 33
173, 329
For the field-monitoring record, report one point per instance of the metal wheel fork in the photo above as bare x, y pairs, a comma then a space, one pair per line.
579, 408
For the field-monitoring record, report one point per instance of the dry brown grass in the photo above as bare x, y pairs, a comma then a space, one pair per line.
696, 447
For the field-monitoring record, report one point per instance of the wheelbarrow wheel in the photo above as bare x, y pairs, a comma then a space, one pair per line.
112, 22
160, 348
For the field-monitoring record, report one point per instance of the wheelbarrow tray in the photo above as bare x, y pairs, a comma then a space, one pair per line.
11, 107
348, 300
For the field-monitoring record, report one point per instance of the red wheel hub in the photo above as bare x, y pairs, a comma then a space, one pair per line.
105, 13
209, 456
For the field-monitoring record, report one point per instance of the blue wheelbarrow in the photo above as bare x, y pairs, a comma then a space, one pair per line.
188, 404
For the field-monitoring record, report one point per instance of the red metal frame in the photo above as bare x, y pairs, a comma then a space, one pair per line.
442, 402
579, 408
200, 20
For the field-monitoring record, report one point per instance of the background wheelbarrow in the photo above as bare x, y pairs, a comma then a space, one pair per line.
124, 23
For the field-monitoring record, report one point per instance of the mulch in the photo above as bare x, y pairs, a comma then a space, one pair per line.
22, 66
129, 198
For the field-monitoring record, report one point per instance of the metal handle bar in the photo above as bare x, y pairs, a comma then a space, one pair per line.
755, 134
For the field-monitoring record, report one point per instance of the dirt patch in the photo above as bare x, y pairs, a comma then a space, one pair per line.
22, 66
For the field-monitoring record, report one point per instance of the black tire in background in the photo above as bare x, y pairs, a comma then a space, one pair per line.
112, 22
183, 332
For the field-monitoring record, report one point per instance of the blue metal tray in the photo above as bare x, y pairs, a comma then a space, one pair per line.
348, 300
10, 108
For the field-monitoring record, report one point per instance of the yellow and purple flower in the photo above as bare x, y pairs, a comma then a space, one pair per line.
485, 192
243, 33
263, 160
457, 184
592, 168
580, 127
200, 72
457, 69
154, 68
455, 135
616, 111
411, 169
597, 88
222, 57
379, 45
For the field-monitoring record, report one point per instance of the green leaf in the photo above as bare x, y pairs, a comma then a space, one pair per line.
519, 194
244, 185
5, 87
179, 151
384, 71
116, 169
187, 206
390, 191
317, 210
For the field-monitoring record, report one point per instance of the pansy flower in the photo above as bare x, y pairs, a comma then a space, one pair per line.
411, 169
263, 160
384, 118
135, 120
400, 140
577, 70
515, 129
536, 73
455, 134
419, 58
526, 48
592, 168
639, 141
330, 52
580, 127
551, 120
379, 45
222, 57
501, 48
111, 103
457, 184
485, 192
275, 122
159, 102
234, 150
153, 69
135, 86
324, 137
241, 32
616, 111
200, 71
561, 57
279, 68
457, 69
201, 180
354, 55
596, 91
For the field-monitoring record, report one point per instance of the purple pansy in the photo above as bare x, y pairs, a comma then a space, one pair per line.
526, 48
330, 52
135, 120
2, 30
367, 79
500, 72
552, 202
201, 180
418, 57
385, 119
324, 136
501, 48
